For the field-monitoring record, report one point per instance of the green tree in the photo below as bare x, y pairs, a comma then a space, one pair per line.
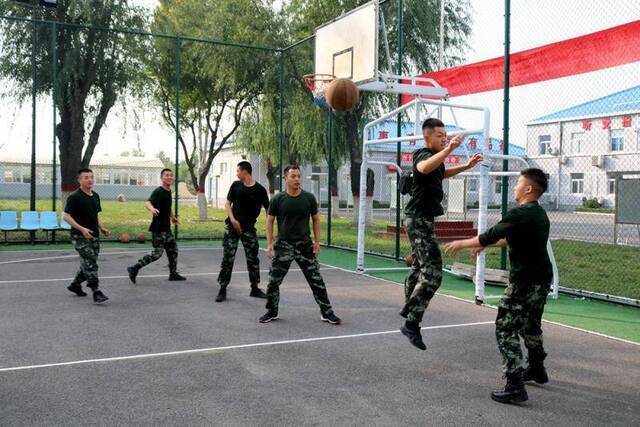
93, 68
217, 83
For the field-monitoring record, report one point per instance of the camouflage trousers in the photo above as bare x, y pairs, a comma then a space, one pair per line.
302, 252
161, 241
520, 314
88, 251
425, 276
249, 240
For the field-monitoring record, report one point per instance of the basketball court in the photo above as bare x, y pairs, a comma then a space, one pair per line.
164, 350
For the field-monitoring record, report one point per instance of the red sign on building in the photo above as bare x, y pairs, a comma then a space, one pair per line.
406, 157
626, 122
586, 124
473, 142
383, 134
606, 123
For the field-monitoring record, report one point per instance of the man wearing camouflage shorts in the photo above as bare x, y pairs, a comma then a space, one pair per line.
81, 212
245, 200
525, 229
425, 276
292, 208
162, 239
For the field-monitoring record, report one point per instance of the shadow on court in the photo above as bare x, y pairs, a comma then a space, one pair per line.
165, 353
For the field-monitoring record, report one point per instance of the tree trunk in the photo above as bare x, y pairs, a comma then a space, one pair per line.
70, 132
335, 201
355, 159
202, 198
271, 177
370, 188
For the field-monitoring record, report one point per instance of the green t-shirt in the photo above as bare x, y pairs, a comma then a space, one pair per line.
292, 214
84, 210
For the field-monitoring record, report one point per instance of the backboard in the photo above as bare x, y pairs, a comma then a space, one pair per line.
347, 47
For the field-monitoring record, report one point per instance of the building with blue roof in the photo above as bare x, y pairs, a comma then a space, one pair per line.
585, 147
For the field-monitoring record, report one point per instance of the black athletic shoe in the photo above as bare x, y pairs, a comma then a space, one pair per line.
536, 373
77, 289
514, 391
99, 297
174, 277
404, 312
415, 338
222, 294
330, 318
133, 273
268, 317
257, 293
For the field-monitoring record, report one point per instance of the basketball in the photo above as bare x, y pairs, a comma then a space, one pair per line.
141, 238
409, 260
125, 238
342, 94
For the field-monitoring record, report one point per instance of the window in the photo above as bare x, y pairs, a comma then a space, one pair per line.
26, 178
133, 180
617, 140
104, 178
473, 184
576, 142
544, 142
577, 183
498, 186
611, 185
8, 176
223, 168
117, 178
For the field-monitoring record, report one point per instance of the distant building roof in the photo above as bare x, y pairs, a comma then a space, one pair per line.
623, 102
125, 162
474, 142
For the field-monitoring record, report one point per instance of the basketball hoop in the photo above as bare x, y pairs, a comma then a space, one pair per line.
317, 84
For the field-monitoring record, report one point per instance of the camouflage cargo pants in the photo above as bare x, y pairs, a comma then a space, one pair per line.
163, 241
88, 251
425, 276
520, 314
249, 240
302, 252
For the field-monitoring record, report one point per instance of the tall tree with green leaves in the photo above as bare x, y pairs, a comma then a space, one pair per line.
218, 83
94, 68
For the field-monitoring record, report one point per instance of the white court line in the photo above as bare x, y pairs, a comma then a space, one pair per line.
106, 249
102, 253
230, 347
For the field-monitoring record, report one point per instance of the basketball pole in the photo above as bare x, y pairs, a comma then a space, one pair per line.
399, 125
330, 175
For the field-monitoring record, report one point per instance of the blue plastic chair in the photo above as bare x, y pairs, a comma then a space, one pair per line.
8, 222
48, 222
64, 224
29, 221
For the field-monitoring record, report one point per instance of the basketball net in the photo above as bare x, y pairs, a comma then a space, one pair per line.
317, 84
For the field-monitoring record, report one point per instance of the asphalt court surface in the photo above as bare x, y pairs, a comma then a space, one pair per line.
165, 353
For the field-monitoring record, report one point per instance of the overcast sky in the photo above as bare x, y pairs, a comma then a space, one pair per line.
532, 24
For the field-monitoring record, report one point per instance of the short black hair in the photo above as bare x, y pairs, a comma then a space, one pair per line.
538, 178
245, 166
432, 123
290, 167
165, 170
83, 170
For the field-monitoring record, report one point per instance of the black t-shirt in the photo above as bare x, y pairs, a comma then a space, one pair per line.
247, 202
426, 192
292, 213
84, 210
161, 200
526, 229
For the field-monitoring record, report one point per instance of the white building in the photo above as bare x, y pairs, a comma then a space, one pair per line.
585, 147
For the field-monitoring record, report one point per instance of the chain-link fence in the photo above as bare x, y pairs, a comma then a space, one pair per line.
199, 106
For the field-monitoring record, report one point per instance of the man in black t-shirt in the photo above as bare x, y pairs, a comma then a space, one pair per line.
425, 276
245, 200
162, 239
81, 212
293, 208
525, 230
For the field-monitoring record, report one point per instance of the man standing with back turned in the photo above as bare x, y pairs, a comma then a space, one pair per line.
292, 208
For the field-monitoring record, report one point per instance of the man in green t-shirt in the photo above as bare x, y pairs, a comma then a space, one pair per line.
525, 230
292, 208
162, 239
81, 212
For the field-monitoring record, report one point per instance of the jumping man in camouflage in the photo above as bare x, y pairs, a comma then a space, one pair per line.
425, 276
292, 208
81, 212
525, 229
162, 239
245, 200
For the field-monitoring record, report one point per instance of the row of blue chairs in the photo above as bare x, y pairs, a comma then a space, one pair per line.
31, 221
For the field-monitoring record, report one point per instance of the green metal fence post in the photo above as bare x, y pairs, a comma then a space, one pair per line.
505, 125
178, 42
399, 124
281, 90
330, 174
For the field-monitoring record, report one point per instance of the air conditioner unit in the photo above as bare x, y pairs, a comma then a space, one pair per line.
597, 161
564, 160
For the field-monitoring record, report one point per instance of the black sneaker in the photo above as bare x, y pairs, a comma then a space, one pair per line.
77, 289
222, 294
404, 312
257, 293
268, 317
415, 338
330, 318
99, 297
174, 277
133, 273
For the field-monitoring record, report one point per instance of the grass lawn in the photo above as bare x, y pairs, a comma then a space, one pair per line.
594, 267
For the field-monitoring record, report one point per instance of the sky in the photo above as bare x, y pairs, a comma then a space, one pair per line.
532, 24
